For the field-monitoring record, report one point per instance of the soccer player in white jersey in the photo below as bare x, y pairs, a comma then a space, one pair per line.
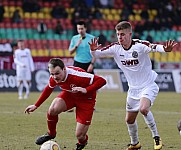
24, 67
132, 57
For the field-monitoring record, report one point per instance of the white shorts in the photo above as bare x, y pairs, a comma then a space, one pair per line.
23, 74
134, 96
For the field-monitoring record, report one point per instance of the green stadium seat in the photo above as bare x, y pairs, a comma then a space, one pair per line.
36, 36
16, 36
49, 36
63, 36
56, 36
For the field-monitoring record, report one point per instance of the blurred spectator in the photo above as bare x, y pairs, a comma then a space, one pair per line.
97, 4
102, 38
16, 18
1, 12
139, 27
125, 13
156, 24
49, 0
89, 3
113, 38
59, 12
81, 13
77, 3
31, 6
136, 35
75, 19
149, 38
144, 14
104, 3
177, 14
97, 14
58, 28
41, 27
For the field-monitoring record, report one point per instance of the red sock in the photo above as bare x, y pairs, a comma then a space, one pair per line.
52, 122
83, 141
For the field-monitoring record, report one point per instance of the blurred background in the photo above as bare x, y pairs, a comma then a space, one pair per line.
47, 27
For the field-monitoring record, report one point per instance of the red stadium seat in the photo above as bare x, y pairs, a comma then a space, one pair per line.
51, 44
65, 44
57, 44
21, 25
2, 25
14, 25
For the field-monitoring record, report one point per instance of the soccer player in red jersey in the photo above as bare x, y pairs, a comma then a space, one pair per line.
78, 90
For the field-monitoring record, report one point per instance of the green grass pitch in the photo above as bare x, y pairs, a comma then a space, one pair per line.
108, 131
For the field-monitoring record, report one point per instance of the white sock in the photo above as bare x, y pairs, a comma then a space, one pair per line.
27, 87
149, 119
133, 132
20, 89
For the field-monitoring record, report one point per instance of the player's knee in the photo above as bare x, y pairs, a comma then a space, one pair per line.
129, 120
52, 111
79, 135
144, 111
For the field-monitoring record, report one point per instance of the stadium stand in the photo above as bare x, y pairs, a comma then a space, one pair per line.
51, 44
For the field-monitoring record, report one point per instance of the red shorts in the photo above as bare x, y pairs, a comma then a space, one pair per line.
84, 106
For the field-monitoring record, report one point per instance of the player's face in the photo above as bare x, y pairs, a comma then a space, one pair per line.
81, 30
124, 36
21, 45
58, 74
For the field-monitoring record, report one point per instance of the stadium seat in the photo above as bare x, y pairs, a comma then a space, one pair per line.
54, 53
48, 16
40, 15
164, 57
12, 9
65, 44
36, 36
157, 56
34, 52
34, 15
27, 15
60, 52
106, 11
46, 10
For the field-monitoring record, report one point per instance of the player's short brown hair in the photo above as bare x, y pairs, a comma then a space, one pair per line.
123, 25
54, 62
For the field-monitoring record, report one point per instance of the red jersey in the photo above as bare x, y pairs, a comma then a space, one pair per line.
75, 77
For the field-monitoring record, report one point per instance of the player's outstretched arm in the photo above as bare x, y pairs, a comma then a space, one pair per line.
94, 44
30, 108
168, 47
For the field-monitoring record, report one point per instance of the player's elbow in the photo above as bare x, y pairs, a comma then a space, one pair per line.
104, 82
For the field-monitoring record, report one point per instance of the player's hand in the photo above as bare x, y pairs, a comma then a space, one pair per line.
79, 89
30, 108
90, 68
94, 44
79, 41
169, 45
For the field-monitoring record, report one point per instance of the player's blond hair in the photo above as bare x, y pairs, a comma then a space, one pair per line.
123, 25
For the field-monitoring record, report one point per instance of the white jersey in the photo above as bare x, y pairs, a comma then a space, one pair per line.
134, 62
23, 59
